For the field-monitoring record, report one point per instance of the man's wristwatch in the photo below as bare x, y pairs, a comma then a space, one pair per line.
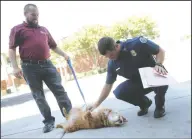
159, 64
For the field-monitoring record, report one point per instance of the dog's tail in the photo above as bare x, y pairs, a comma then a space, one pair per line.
65, 113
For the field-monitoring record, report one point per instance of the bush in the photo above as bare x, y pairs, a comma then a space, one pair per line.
83, 45
102, 70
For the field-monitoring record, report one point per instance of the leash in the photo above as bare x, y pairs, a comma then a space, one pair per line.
73, 72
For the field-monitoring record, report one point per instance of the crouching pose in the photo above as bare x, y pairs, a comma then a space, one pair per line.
125, 58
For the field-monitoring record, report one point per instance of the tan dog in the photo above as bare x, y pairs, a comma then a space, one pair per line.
78, 119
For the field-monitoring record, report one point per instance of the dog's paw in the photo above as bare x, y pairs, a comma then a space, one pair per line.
59, 126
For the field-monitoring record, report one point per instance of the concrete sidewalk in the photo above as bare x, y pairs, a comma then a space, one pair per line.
176, 124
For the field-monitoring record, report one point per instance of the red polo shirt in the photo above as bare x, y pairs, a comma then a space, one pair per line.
34, 43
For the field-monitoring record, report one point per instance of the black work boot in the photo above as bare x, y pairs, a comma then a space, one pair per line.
159, 112
144, 109
48, 127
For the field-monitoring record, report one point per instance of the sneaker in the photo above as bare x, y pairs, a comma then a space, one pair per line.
159, 112
48, 127
144, 110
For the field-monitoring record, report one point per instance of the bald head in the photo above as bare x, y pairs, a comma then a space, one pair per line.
31, 13
29, 7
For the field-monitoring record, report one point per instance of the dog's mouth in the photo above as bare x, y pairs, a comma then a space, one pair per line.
119, 121
116, 119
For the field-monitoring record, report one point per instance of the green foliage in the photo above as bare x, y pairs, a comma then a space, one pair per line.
84, 42
102, 70
135, 26
120, 30
186, 37
54, 57
85, 38
88, 36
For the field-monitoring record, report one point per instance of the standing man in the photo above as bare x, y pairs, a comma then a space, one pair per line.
125, 60
34, 42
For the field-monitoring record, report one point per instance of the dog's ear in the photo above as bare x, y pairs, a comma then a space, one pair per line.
106, 111
124, 119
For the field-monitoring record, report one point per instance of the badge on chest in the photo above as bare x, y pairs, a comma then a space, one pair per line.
133, 53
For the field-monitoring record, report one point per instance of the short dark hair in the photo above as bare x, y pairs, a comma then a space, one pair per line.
118, 41
106, 44
27, 6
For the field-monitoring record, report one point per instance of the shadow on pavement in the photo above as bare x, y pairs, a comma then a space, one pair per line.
18, 99
176, 123
28, 96
30, 127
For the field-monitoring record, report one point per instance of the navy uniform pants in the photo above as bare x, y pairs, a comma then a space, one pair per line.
34, 75
134, 93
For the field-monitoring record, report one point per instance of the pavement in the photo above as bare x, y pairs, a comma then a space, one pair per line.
176, 123
18, 99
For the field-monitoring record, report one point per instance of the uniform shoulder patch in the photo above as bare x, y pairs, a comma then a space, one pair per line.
128, 43
143, 39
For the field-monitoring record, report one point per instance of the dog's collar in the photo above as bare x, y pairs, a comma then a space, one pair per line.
105, 120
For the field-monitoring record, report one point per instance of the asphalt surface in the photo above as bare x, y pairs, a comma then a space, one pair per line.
20, 99
176, 124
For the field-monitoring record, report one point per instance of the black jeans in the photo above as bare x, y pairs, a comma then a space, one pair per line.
34, 75
134, 93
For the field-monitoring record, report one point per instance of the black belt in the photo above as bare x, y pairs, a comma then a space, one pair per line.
35, 61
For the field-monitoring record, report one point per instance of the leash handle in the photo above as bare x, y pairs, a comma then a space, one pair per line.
69, 63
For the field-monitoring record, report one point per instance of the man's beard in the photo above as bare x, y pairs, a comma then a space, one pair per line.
31, 24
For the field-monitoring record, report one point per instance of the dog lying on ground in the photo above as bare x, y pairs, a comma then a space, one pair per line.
78, 119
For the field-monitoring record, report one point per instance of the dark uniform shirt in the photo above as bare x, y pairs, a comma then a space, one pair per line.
134, 54
34, 42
